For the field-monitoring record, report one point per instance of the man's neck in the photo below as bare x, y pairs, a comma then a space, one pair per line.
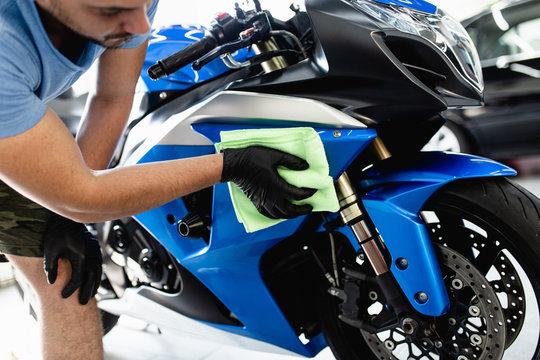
65, 40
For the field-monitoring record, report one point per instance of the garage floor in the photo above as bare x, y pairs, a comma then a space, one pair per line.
131, 339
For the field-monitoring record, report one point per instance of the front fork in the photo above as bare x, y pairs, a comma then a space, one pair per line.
352, 214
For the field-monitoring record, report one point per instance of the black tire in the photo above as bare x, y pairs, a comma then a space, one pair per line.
108, 321
493, 228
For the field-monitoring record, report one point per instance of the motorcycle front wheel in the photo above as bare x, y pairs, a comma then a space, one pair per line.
486, 233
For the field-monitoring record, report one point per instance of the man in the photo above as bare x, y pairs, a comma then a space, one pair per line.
45, 45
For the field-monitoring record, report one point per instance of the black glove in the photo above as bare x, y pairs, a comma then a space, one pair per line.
68, 239
254, 171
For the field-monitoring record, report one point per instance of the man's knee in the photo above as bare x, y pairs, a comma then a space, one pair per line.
32, 270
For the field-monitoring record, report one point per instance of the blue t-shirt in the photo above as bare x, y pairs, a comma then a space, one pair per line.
32, 70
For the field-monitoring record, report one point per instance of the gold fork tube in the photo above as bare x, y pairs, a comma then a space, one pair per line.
352, 215
275, 63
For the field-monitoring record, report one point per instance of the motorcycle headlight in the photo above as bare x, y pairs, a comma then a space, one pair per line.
447, 34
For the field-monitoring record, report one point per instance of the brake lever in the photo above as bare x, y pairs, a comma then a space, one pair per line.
247, 38
220, 50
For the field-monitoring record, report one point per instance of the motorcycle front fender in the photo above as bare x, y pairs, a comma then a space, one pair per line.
394, 194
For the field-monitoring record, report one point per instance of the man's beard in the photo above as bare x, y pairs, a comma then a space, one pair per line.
110, 41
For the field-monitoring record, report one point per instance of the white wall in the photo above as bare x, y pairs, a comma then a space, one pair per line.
202, 11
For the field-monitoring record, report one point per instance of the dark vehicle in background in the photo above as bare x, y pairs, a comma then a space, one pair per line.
507, 37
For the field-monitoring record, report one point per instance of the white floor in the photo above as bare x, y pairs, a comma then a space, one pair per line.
131, 339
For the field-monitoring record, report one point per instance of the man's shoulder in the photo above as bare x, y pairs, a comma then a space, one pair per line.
6, 7
11, 20
17, 53
20, 72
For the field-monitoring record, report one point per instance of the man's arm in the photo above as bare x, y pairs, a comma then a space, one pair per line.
46, 165
109, 104
107, 111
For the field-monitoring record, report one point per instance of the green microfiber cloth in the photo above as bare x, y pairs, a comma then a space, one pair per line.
303, 142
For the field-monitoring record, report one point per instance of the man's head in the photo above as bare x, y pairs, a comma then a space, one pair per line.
110, 23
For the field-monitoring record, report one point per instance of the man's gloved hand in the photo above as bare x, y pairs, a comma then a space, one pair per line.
254, 171
68, 239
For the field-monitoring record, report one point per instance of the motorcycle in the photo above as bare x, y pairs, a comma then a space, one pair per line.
432, 255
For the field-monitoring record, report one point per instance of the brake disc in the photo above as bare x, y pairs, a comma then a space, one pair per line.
488, 256
508, 284
474, 328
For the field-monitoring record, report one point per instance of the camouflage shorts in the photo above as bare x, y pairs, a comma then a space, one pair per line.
22, 224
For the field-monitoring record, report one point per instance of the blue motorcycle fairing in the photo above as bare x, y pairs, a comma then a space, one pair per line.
230, 264
394, 196
167, 40
418, 5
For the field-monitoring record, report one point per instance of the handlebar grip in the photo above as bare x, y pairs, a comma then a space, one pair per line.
181, 58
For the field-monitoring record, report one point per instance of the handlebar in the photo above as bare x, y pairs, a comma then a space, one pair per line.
246, 38
181, 58
226, 35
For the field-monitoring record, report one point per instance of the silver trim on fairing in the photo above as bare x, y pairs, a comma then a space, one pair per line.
237, 107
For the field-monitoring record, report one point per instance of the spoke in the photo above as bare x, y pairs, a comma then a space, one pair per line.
498, 285
485, 260
449, 220
411, 352
452, 231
